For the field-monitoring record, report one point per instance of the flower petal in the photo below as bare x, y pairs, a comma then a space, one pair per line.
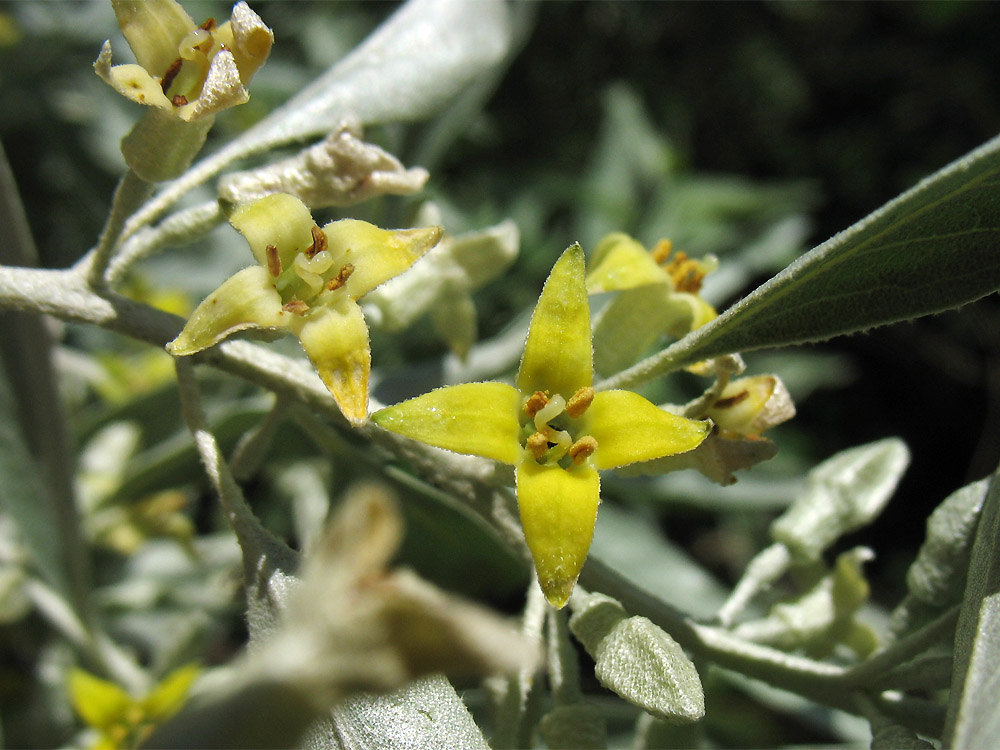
246, 299
376, 254
630, 324
335, 337
248, 37
154, 30
131, 81
620, 262
98, 702
752, 405
480, 419
558, 355
628, 428
221, 90
169, 695
280, 220
558, 514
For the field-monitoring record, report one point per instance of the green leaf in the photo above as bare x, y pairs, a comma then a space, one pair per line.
932, 248
937, 575
574, 727
26, 497
843, 493
638, 660
978, 722
259, 714
425, 715
971, 639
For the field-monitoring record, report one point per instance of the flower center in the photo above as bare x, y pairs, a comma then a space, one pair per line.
548, 433
686, 273
182, 81
313, 272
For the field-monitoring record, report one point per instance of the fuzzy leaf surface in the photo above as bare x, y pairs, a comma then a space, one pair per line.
931, 249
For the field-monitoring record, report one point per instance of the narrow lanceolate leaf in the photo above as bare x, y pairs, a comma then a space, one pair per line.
24, 496
932, 248
978, 718
976, 647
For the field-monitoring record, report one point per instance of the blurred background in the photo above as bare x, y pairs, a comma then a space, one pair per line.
753, 131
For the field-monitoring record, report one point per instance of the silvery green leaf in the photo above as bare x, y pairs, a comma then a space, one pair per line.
979, 610
574, 727
254, 716
938, 573
422, 56
425, 715
629, 543
932, 248
978, 721
892, 736
842, 494
637, 660
26, 497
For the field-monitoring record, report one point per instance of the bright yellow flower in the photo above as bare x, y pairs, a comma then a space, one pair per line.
658, 294
307, 283
121, 720
552, 426
186, 70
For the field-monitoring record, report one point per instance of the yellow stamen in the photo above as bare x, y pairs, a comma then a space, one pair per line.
319, 242
535, 403
537, 444
661, 251
273, 260
341, 278
580, 401
582, 449
686, 273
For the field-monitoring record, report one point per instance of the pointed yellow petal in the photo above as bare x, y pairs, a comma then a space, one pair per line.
620, 262
628, 428
630, 324
336, 339
280, 220
557, 355
246, 299
154, 30
480, 419
376, 254
248, 37
558, 513
133, 82
98, 702
169, 695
